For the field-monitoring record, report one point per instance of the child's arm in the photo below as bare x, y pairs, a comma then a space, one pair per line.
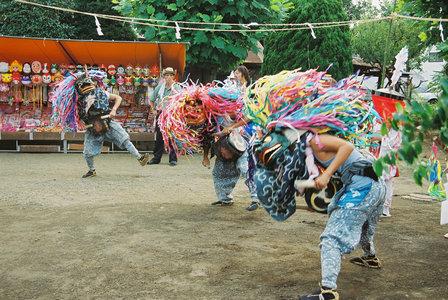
330, 146
117, 101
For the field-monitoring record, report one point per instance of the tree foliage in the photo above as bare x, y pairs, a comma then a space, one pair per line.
19, 19
211, 51
370, 39
422, 119
294, 49
85, 28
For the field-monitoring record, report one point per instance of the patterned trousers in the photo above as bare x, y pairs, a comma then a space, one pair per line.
348, 227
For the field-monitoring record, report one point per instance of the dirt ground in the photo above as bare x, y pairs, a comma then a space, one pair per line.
134, 232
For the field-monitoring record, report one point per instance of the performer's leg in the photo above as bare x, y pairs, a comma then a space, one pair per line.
131, 149
243, 167
225, 176
341, 235
368, 230
92, 147
388, 199
117, 135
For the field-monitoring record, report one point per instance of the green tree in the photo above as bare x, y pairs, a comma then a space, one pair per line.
19, 19
362, 9
370, 39
421, 120
294, 49
208, 52
85, 27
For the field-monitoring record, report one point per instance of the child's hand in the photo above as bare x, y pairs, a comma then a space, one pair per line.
322, 181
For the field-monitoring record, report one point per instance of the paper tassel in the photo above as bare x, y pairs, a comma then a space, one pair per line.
441, 32
312, 30
400, 65
177, 31
98, 26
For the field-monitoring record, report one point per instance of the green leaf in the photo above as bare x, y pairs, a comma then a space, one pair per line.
275, 8
213, 2
378, 167
218, 42
384, 130
172, 6
150, 33
218, 18
200, 37
150, 10
423, 36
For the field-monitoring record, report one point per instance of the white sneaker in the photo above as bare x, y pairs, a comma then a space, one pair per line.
446, 236
385, 215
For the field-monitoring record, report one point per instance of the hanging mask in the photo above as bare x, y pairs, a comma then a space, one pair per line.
137, 81
128, 80
146, 81
129, 70
7, 78
4, 67
53, 69
155, 72
112, 80
111, 70
79, 68
16, 78
57, 77
103, 68
46, 78
120, 80
120, 70
145, 71
15, 66
72, 68
36, 79
26, 80
137, 70
26, 68
36, 67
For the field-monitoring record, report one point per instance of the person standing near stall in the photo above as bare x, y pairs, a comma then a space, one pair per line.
165, 89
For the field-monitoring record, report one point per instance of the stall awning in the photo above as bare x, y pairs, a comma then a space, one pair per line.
93, 52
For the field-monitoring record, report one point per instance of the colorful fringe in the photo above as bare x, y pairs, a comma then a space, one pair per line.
213, 101
308, 101
65, 100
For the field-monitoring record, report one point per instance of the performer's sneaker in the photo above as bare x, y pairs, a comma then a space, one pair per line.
143, 160
173, 163
367, 261
89, 174
154, 162
223, 203
322, 294
253, 206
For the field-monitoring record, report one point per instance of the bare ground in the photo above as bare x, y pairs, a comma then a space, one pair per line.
134, 232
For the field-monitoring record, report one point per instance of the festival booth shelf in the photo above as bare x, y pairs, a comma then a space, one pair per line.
133, 71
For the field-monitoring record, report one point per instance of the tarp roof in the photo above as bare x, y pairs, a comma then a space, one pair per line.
93, 52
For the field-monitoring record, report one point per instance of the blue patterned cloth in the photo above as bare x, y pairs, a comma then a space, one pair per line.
100, 105
275, 188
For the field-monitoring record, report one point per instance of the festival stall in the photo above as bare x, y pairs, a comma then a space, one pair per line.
29, 68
